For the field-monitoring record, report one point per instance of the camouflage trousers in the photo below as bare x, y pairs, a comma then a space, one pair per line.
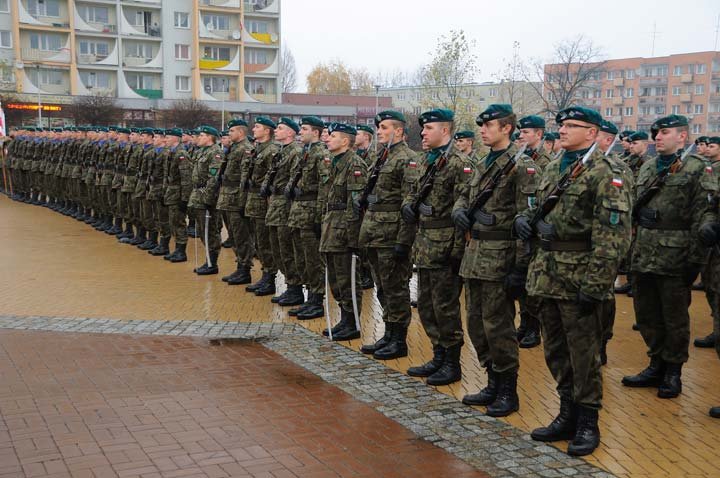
215, 223
392, 276
146, 215
340, 280
136, 205
282, 251
240, 229
161, 218
607, 309
661, 310
263, 247
123, 206
572, 350
491, 324
306, 249
178, 226
439, 305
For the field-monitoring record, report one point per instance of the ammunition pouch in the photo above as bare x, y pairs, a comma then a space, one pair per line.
485, 218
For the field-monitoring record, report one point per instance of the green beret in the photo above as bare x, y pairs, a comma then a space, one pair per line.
149, 131
342, 128
159, 131
438, 115
626, 134
638, 136
494, 112
701, 139
579, 113
465, 135
265, 121
389, 115
312, 121
208, 130
112, 128
224, 132
123, 130
102, 129
549, 136
713, 140
134, 130
672, 121
366, 128
290, 123
236, 122
532, 121
174, 132
608, 127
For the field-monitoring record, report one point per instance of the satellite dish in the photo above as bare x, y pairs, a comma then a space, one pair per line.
236, 35
19, 65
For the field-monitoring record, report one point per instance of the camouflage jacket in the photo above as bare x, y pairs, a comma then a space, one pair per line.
156, 172
635, 162
278, 208
540, 156
132, 167
382, 226
683, 204
594, 208
257, 168
493, 258
208, 162
143, 171
107, 168
124, 150
232, 192
304, 209
340, 225
80, 158
178, 177
437, 239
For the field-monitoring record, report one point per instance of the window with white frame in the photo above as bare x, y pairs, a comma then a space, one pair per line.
214, 21
256, 57
493, 92
5, 39
660, 110
182, 83
46, 41
676, 91
139, 50
182, 51
629, 92
44, 8
47, 77
701, 68
216, 84
94, 14
138, 81
629, 74
697, 128
700, 89
698, 109
258, 87
628, 111
677, 70
219, 53
92, 47
609, 93
4, 6
676, 109
256, 26
608, 111
95, 79
182, 20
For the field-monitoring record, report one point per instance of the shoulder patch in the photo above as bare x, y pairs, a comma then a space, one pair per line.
412, 164
467, 169
530, 170
357, 173
618, 182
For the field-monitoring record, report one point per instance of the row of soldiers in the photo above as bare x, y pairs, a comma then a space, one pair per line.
515, 222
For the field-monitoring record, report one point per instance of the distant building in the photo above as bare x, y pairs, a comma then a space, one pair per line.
362, 108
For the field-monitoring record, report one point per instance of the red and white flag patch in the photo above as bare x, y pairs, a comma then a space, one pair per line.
467, 170
617, 182
531, 170
412, 164
357, 173
708, 169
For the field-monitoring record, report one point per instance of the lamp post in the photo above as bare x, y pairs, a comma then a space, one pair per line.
39, 104
377, 98
222, 126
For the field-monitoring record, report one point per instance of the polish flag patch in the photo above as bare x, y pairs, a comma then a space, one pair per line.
357, 173
531, 170
708, 169
327, 160
617, 182
467, 170
217, 156
412, 164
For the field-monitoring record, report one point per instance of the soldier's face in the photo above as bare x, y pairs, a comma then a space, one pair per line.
531, 136
433, 135
205, 139
159, 140
576, 135
626, 145
307, 134
325, 136
493, 134
336, 142
638, 147
362, 140
284, 132
261, 133
225, 140
236, 134
464, 144
702, 149
387, 132
548, 145
713, 151
669, 140
605, 140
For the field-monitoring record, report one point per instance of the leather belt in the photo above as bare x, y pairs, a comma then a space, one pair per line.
437, 223
231, 184
492, 235
306, 197
384, 207
565, 246
337, 206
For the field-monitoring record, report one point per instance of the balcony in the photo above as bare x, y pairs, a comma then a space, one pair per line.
686, 78
654, 81
265, 98
618, 81
714, 117
220, 3
36, 55
137, 61
57, 19
150, 94
261, 6
210, 64
89, 59
618, 101
685, 98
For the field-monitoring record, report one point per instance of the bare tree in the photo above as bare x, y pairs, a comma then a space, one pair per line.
189, 113
575, 62
288, 70
96, 109
361, 81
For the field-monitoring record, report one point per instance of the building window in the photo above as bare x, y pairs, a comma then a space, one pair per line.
608, 93
629, 74
255, 26
5, 39
256, 57
4, 6
215, 84
258, 87
97, 48
700, 68
677, 70
676, 109
216, 53
714, 107
688, 109
597, 93
493, 92
401, 96
697, 129
94, 14
645, 110
138, 81
608, 111
182, 83
182, 52
47, 77
628, 111
45, 41
700, 89
182, 20
95, 79
661, 91
629, 92
676, 90
44, 8
216, 22
138, 50
7, 74
698, 109
610, 75
660, 110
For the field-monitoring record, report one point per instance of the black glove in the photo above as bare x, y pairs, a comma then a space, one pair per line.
288, 193
264, 191
358, 206
514, 283
297, 192
708, 234
317, 229
586, 303
691, 272
183, 206
401, 251
522, 228
408, 214
461, 219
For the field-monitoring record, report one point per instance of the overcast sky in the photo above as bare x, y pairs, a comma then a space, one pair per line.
400, 34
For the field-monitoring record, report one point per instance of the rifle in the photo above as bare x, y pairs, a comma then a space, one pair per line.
476, 208
270, 178
221, 173
612, 145
654, 187
554, 197
248, 180
428, 180
375, 174
295, 180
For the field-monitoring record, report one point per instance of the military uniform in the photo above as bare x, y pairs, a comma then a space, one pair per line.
178, 186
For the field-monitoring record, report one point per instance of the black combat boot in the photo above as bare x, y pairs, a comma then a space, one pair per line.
227, 243
587, 436
260, 283
117, 227
100, 223
562, 427
294, 312
706, 342
268, 288
276, 298
429, 368
397, 347
179, 254
714, 412
107, 225
205, 269
314, 310
232, 274
151, 242
139, 238
366, 280
522, 329
350, 331
384, 340
531, 337
242, 276
506, 401
294, 296
603, 352
487, 395
450, 371
337, 327
128, 233
162, 248
90, 216
671, 385
652, 376
623, 289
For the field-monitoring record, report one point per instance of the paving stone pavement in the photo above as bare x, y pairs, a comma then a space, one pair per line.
492, 446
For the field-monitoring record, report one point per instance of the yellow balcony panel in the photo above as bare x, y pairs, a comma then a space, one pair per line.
213, 64
269, 38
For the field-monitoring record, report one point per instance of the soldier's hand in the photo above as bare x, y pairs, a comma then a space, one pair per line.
514, 283
708, 234
264, 191
461, 219
586, 303
297, 192
691, 273
357, 207
401, 251
408, 214
288, 193
523, 229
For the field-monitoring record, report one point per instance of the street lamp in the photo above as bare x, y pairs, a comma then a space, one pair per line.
377, 99
222, 126
39, 104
